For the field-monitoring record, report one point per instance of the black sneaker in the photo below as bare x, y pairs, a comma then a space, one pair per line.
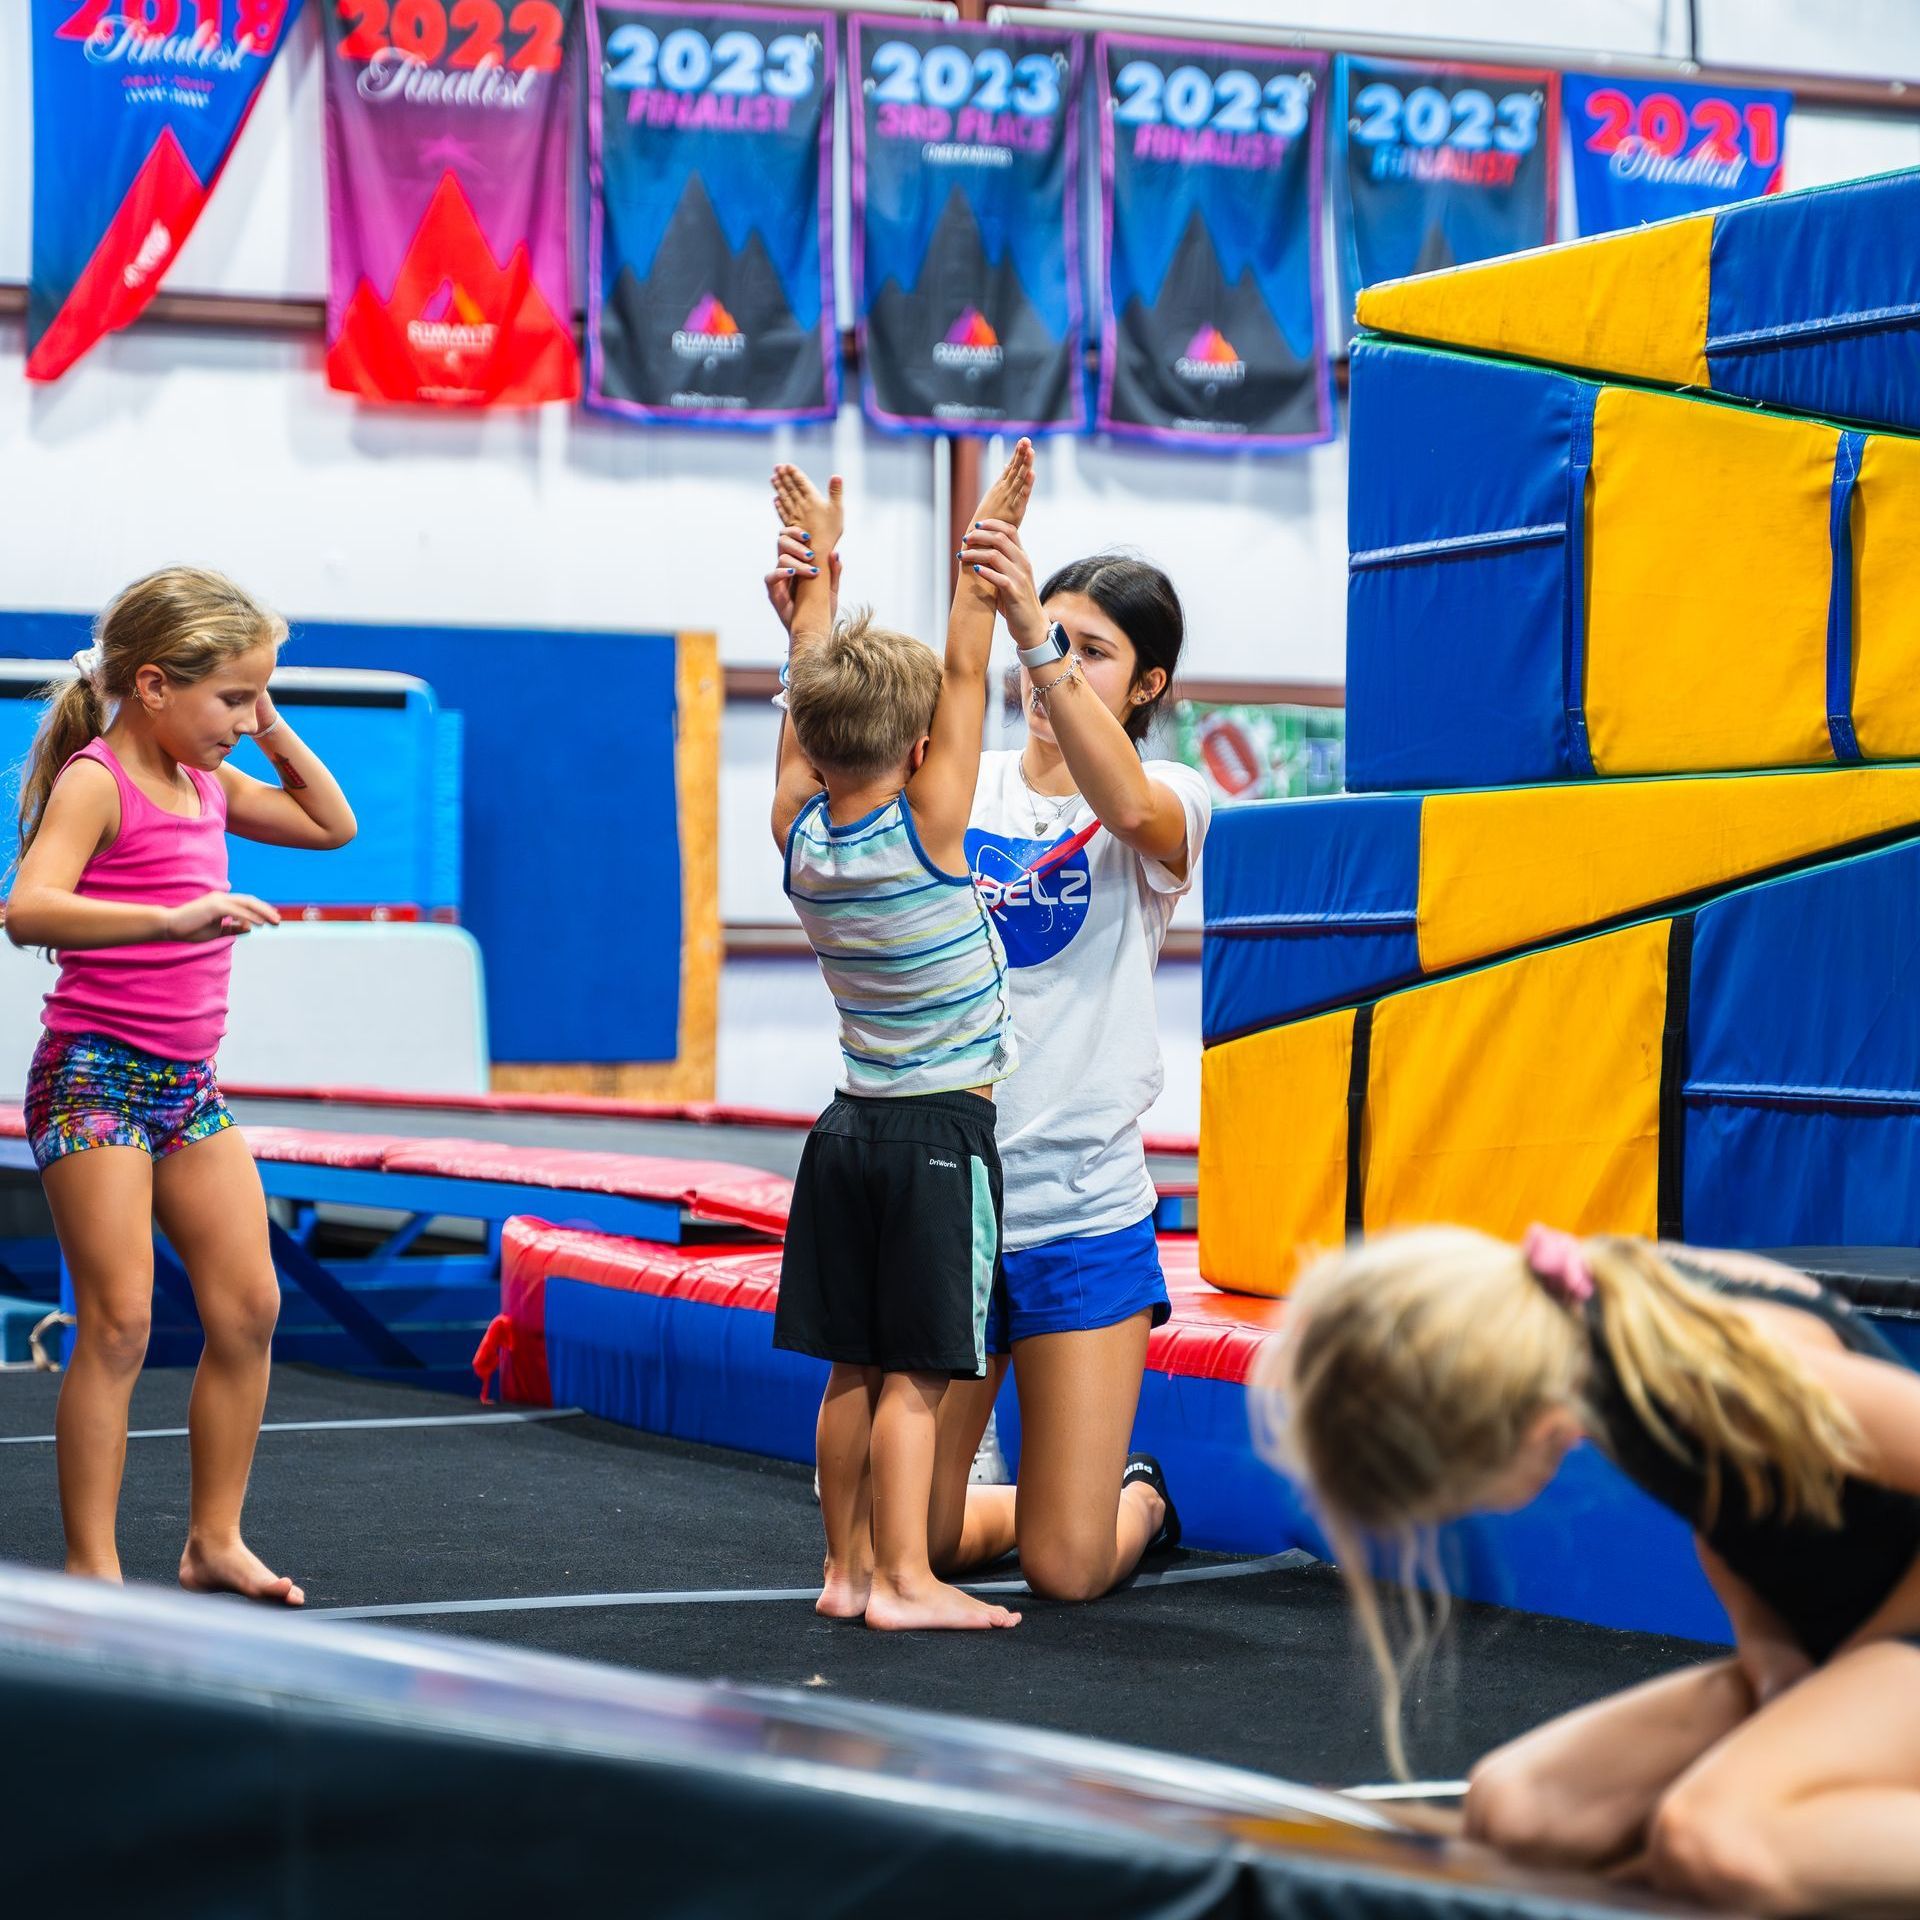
1143, 1466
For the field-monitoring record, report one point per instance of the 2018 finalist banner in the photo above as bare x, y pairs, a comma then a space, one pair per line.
1440, 166
1655, 149
966, 194
710, 147
1212, 332
447, 129
136, 105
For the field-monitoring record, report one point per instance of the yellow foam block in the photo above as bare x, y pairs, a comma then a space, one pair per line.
1708, 575
1527, 1091
1273, 1152
1886, 599
1507, 869
1633, 304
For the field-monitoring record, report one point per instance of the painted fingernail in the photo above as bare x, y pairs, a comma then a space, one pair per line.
813, 570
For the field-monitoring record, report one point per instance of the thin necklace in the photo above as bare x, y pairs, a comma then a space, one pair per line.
1062, 804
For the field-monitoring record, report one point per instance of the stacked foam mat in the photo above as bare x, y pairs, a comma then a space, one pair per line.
1618, 929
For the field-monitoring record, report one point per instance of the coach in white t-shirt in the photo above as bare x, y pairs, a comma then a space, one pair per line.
1080, 850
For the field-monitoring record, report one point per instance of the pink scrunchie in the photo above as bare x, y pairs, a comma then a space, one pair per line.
1559, 1262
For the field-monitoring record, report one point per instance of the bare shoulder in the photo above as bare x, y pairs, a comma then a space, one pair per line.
84, 792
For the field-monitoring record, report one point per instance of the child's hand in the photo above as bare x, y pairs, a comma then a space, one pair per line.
993, 551
799, 503
795, 559
1007, 498
214, 916
265, 714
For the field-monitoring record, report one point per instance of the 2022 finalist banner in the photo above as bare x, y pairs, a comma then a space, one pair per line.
136, 106
447, 130
710, 282
966, 194
1212, 332
1441, 166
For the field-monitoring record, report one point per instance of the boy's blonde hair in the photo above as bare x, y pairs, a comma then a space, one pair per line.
1415, 1364
185, 621
862, 697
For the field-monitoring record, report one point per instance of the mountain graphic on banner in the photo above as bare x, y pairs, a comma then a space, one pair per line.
1202, 321
964, 300
702, 291
150, 228
460, 329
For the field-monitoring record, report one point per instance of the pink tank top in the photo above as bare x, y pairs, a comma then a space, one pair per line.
164, 997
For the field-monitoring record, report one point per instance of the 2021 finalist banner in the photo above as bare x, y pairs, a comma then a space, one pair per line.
136, 105
1440, 166
710, 282
1212, 332
1655, 149
447, 127
966, 193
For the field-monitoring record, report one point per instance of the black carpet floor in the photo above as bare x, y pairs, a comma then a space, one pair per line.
1262, 1670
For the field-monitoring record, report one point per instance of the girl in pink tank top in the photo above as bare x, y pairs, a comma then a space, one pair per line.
125, 806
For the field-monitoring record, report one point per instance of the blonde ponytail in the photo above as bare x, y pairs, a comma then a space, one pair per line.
75, 715
1716, 1392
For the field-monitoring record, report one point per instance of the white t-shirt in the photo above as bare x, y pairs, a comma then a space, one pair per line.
1083, 939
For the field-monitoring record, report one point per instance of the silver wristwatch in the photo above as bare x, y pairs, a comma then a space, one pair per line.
1056, 646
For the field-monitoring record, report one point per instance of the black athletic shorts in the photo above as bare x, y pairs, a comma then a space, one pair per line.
893, 1244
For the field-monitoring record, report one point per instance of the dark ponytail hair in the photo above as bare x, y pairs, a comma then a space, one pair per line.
1139, 599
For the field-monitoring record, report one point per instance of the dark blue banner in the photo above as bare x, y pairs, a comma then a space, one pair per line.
710, 277
136, 105
1652, 149
1440, 166
1210, 162
966, 226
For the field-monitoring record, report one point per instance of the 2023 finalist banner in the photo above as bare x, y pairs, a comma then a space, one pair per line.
1440, 166
966, 213
1655, 149
447, 128
710, 283
136, 105
1212, 332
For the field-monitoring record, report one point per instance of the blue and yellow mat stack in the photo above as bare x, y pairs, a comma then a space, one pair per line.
1620, 926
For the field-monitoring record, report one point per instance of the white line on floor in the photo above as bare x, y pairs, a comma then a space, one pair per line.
517, 1417
735, 1596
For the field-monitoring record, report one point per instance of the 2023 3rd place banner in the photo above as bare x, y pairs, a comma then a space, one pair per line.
448, 124
136, 106
966, 193
710, 282
1212, 331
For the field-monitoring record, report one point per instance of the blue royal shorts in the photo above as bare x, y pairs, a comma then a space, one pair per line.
1077, 1284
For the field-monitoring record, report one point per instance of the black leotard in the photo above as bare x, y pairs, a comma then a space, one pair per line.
1824, 1583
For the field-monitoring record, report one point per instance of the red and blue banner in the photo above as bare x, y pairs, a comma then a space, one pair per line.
1653, 149
136, 105
710, 149
1440, 166
447, 165
1212, 331
966, 196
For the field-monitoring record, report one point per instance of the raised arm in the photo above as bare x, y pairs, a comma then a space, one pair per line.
941, 793
819, 518
307, 809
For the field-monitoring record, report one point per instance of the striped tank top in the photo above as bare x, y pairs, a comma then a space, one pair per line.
911, 956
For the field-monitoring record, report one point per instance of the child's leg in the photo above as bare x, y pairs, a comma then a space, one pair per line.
842, 1443
963, 1529
905, 1591
102, 1204
208, 1201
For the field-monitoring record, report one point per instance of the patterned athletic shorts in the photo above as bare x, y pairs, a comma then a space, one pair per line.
90, 1090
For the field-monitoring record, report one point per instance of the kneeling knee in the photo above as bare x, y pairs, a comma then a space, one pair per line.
1055, 1575
1506, 1808
1701, 1845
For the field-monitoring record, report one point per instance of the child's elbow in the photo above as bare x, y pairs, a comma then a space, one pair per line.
17, 917
342, 833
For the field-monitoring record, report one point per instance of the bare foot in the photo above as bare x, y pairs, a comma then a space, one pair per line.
1007, 498
799, 503
236, 1569
896, 1608
843, 1594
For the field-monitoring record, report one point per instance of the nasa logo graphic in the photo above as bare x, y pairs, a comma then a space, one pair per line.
1037, 914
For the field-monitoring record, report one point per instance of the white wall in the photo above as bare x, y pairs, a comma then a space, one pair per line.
168, 443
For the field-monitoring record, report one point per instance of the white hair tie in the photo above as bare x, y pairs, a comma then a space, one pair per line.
89, 662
